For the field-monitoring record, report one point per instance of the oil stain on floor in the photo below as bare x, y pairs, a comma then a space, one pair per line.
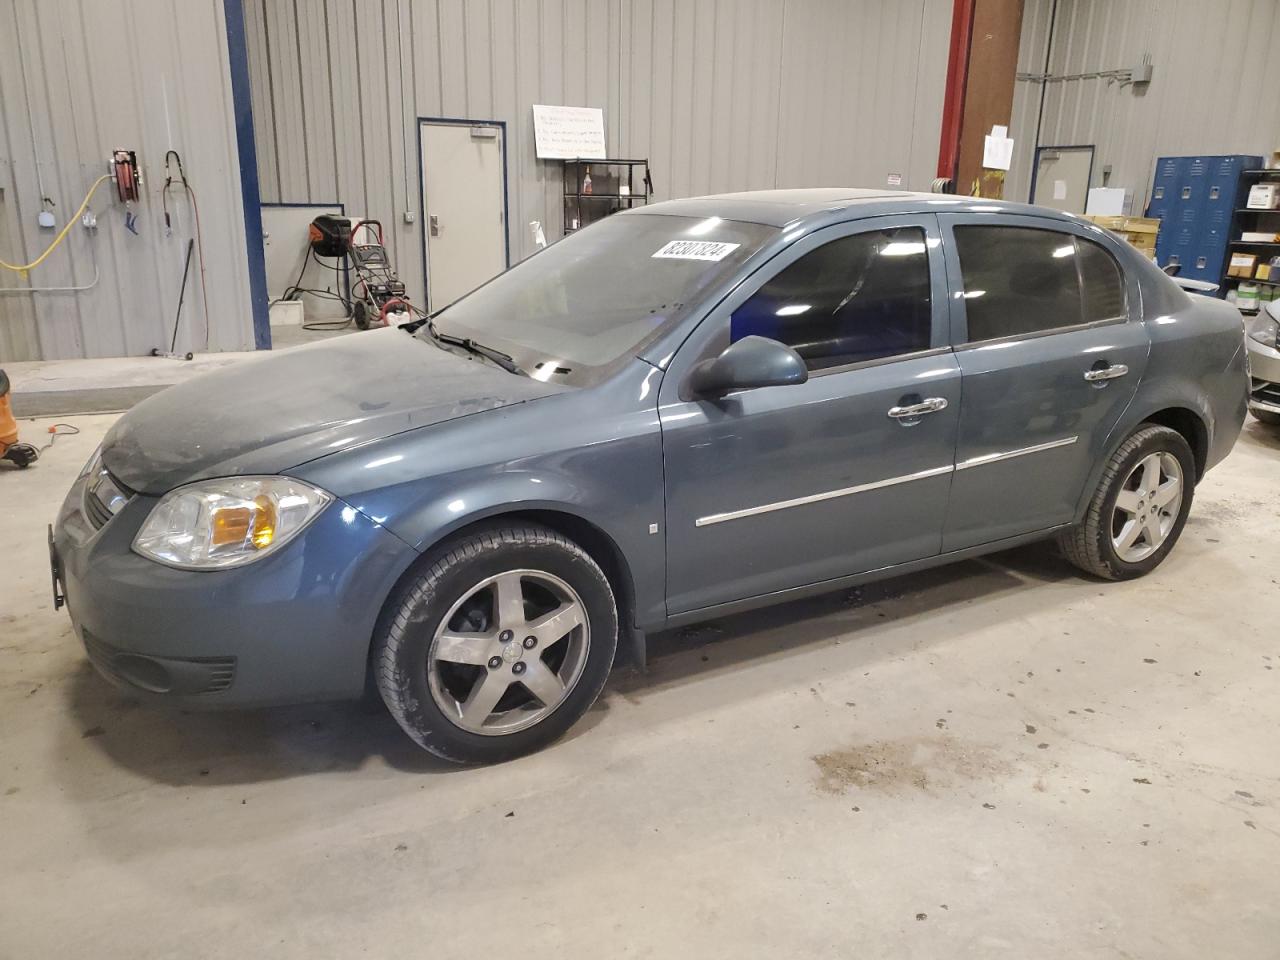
917, 763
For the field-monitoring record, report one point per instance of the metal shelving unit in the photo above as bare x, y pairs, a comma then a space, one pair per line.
1240, 222
614, 185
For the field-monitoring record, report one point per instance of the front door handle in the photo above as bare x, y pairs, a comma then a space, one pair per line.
913, 410
1098, 375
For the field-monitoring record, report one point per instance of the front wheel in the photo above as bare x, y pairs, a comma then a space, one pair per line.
1139, 509
498, 646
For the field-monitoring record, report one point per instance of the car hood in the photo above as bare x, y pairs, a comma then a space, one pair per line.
270, 413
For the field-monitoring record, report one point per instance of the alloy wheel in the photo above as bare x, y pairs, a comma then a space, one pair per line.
508, 652
1147, 507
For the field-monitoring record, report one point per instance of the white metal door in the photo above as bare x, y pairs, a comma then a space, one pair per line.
1062, 178
464, 222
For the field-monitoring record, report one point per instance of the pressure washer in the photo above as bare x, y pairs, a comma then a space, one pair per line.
376, 292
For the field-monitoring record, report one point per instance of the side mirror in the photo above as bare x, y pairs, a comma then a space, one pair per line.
751, 362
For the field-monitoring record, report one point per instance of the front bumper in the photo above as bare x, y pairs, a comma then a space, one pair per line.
294, 626
1264, 371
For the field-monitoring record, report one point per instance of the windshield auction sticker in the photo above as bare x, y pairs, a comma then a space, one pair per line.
696, 250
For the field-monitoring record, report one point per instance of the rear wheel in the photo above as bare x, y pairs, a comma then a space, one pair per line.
1139, 509
501, 643
360, 314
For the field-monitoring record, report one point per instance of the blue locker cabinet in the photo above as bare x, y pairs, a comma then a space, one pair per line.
1195, 199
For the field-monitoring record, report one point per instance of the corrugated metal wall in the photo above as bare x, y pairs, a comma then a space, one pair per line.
718, 94
145, 75
1213, 88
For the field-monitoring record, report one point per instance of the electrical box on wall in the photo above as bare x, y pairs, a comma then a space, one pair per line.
124, 169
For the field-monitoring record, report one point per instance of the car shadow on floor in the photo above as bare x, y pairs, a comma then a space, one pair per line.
1262, 433
679, 656
193, 749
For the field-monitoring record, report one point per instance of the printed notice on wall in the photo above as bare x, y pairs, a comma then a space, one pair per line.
566, 133
997, 149
696, 250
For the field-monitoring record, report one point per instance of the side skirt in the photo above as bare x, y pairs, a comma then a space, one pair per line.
881, 573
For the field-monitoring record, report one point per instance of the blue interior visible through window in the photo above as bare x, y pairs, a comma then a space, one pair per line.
857, 298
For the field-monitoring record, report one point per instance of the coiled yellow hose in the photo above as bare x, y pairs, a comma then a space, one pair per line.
62, 234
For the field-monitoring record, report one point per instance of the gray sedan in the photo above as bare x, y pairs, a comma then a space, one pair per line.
696, 408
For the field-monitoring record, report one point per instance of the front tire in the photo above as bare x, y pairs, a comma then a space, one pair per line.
1139, 509
498, 645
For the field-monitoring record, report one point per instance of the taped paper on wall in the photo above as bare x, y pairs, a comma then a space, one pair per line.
696, 250
567, 133
997, 149
1059, 189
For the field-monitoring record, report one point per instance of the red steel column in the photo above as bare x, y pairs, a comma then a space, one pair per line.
981, 73
953, 99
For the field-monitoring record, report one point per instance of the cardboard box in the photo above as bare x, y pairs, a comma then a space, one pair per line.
1254, 236
1139, 231
1149, 225
1242, 265
1106, 221
1264, 196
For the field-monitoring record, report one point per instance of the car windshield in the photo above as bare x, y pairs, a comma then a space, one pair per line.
599, 293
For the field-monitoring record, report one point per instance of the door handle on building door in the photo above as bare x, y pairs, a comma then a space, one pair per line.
433, 225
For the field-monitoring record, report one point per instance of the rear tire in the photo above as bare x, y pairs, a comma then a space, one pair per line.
498, 645
1139, 508
360, 313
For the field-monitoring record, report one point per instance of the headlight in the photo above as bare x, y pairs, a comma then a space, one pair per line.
92, 463
216, 524
1263, 330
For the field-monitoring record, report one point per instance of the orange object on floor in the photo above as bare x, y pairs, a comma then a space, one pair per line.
20, 454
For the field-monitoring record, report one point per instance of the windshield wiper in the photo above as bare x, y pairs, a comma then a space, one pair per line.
505, 361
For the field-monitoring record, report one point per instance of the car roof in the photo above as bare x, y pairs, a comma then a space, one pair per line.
784, 208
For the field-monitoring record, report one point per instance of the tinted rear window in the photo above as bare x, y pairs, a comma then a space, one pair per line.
1103, 282
1017, 280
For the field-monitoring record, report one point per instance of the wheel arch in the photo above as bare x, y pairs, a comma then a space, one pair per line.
1180, 417
1191, 425
599, 545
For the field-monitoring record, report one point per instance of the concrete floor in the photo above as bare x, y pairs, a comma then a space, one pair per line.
55, 388
998, 759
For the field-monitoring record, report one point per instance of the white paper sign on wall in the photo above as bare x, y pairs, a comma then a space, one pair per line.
566, 133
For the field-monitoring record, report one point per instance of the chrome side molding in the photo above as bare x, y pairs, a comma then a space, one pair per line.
987, 458
981, 461
819, 497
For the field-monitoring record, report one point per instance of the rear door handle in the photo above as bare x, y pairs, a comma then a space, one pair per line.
1106, 373
913, 410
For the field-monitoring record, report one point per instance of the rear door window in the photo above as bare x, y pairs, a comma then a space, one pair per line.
1020, 281
858, 298
1103, 282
